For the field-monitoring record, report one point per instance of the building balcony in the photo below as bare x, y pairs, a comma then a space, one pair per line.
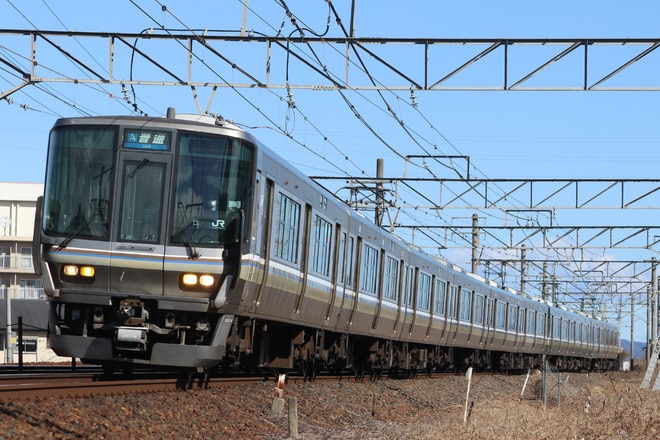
16, 263
18, 292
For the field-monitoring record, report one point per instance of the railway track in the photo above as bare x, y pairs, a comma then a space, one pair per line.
35, 386
46, 383
60, 383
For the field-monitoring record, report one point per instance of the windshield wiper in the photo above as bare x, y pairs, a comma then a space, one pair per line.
64, 243
138, 168
193, 251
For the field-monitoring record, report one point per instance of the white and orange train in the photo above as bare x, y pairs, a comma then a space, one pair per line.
184, 242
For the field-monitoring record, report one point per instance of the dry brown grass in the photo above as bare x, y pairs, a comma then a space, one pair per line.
596, 406
404, 409
610, 406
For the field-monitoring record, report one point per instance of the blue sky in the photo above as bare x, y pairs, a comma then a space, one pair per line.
506, 134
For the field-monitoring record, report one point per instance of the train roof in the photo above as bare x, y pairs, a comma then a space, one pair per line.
171, 117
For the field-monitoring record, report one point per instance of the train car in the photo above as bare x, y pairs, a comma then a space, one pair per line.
183, 242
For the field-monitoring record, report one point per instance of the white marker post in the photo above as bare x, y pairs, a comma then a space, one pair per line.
468, 374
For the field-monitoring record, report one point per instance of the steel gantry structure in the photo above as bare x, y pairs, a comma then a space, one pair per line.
207, 59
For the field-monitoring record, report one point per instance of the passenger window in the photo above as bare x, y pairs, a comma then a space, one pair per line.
556, 328
453, 298
369, 269
287, 224
409, 286
531, 321
540, 324
345, 268
440, 297
466, 305
424, 292
500, 320
513, 317
490, 312
478, 309
391, 279
322, 245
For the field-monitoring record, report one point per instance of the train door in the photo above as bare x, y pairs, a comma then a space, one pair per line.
520, 334
137, 247
407, 300
440, 307
336, 255
431, 306
531, 329
304, 261
452, 312
379, 290
266, 218
491, 320
480, 317
414, 292
346, 276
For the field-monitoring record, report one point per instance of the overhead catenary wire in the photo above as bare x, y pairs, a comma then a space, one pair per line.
294, 22
268, 118
46, 88
289, 132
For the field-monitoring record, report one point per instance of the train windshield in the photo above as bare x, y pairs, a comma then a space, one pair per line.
78, 181
213, 186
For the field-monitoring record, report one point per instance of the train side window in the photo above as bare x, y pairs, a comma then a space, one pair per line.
424, 292
409, 286
513, 318
453, 298
342, 259
478, 308
346, 252
321, 246
391, 279
573, 331
531, 321
287, 226
440, 297
540, 324
466, 305
500, 319
521, 320
369, 269
578, 332
564, 330
556, 328
490, 312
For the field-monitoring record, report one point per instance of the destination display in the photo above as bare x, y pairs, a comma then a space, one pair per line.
147, 140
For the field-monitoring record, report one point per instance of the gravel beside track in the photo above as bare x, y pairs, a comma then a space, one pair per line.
420, 409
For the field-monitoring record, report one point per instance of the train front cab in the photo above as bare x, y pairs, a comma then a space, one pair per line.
131, 259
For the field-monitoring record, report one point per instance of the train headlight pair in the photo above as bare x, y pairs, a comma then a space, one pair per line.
196, 281
76, 273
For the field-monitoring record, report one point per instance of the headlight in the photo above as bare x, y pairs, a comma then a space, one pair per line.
73, 273
193, 281
206, 280
87, 271
189, 279
70, 270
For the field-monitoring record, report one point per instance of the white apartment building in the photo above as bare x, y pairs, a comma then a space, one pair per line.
18, 281
18, 202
